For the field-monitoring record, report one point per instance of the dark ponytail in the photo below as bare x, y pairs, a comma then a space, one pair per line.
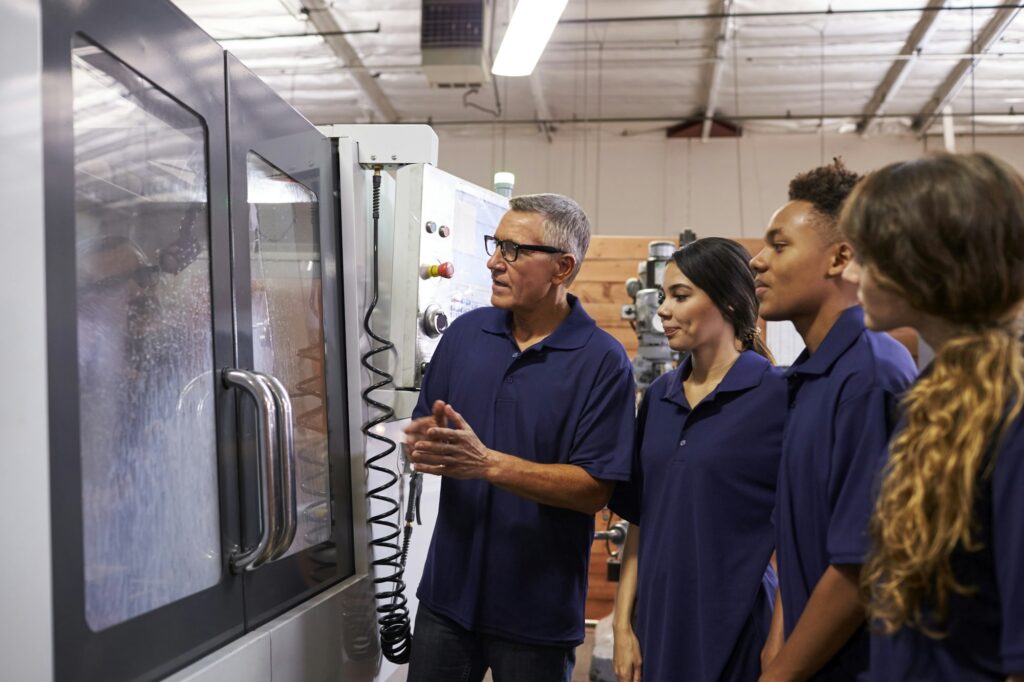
719, 267
759, 346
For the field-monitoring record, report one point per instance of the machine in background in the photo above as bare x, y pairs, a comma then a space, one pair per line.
653, 357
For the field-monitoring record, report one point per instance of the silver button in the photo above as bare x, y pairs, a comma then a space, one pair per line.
682, 442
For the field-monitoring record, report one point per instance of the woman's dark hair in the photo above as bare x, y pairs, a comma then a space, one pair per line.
719, 267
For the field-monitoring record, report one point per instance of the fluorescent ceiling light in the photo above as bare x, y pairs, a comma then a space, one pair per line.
528, 34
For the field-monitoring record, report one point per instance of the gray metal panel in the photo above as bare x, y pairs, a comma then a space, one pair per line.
244, 660
330, 637
352, 185
25, 583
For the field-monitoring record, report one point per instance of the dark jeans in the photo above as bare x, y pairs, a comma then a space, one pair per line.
444, 651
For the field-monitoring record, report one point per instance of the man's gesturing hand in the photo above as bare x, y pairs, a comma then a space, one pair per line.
455, 452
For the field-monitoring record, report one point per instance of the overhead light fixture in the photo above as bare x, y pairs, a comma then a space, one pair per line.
528, 34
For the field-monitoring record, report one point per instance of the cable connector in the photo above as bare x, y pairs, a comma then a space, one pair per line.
412, 511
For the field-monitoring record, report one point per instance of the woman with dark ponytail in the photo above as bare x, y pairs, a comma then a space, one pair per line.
940, 247
695, 590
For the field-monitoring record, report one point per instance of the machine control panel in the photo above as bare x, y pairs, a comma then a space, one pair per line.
446, 270
440, 266
434, 321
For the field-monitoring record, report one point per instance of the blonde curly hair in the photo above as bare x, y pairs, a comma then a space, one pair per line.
946, 234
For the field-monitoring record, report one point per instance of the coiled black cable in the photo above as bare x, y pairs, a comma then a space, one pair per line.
392, 604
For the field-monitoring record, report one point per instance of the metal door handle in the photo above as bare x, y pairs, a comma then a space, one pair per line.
267, 428
286, 462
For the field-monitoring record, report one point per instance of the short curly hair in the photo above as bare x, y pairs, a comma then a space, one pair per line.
826, 188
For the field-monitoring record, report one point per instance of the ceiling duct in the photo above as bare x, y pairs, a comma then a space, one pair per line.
455, 43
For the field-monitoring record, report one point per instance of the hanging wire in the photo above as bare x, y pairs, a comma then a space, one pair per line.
586, 100
600, 114
504, 129
664, 184
494, 144
821, 125
494, 122
575, 116
689, 182
974, 68
736, 108
496, 112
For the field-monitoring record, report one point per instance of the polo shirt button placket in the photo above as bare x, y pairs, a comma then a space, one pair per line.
515, 356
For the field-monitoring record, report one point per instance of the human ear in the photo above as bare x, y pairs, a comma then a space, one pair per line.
566, 264
842, 256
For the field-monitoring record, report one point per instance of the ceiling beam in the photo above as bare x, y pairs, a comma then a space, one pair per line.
323, 19
716, 67
829, 12
900, 68
956, 78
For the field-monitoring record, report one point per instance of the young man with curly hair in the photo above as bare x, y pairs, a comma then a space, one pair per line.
843, 392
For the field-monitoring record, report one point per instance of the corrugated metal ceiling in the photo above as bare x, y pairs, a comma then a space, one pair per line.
786, 65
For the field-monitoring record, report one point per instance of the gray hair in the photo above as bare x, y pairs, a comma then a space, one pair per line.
566, 226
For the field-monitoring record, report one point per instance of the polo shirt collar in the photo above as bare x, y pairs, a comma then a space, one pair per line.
746, 373
572, 333
840, 337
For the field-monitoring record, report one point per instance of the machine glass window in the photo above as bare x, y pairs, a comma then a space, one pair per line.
151, 521
287, 318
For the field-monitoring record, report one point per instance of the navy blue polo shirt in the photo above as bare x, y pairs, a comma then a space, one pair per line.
985, 630
843, 407
703, 489
498, 563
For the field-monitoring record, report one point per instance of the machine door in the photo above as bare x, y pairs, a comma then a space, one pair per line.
285, 252
144, 487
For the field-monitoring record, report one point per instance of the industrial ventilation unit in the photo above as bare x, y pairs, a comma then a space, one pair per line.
455, 41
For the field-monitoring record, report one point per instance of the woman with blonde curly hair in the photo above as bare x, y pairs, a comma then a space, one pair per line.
940, 248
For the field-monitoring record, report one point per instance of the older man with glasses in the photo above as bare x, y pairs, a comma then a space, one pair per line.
527, 411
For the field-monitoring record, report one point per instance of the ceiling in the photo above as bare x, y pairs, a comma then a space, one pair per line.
872, 66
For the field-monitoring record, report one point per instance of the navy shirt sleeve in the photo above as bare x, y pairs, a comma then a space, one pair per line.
1008, 541
626, 500
603, 443
862, 429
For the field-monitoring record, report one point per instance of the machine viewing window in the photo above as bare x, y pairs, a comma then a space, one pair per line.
288, 336
148, 447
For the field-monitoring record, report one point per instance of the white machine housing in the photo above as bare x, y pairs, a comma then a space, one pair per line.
388, 146
439, 219
409, 197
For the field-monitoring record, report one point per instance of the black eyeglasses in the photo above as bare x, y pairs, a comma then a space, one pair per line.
510, 250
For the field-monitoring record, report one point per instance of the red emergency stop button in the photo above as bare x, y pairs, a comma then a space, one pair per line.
446, 270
